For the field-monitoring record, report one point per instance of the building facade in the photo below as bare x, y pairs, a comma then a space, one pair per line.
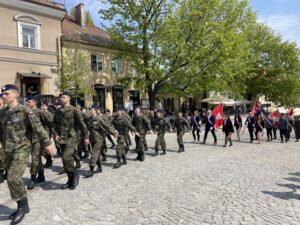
105, 68
29, 45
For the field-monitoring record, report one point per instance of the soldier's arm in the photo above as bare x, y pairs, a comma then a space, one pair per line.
80, 122
186, 123
37, 127
108, 127
130, 126
168, 124
147, 123
48, 118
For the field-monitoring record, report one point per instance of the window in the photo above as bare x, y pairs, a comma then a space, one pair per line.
97, 62
116, 65
29, 35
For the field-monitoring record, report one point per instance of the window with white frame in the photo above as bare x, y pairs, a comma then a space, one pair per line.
97, 62
116, 65
29, 35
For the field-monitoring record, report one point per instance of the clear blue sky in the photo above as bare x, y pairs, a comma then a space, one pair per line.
282, 15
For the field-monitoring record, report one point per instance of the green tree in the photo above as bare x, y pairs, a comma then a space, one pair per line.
74, 72
275, 69
183, 46
88, 16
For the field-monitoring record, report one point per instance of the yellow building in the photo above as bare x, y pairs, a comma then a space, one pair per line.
105, 67
29, 45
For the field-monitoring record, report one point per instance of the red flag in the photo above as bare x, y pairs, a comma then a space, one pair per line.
275, 115
255, 109
291, 112
219, 115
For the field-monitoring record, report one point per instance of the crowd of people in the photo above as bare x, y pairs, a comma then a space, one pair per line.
74, 134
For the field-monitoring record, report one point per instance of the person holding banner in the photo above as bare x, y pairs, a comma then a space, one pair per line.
210, 126
269, 127
250, 123
238, 124
228, 130
259, 128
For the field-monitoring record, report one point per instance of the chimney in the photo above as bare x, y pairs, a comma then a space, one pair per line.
80, 15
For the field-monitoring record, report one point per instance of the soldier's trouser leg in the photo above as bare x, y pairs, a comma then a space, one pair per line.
180, 138
68, 155
15, 166
96, 153
2, 159
120, 147
158, 141
145, 143
36, 159
140, 144
110, 139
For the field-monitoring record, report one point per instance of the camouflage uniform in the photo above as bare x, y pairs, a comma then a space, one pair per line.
2, 152
180, 125
97, 127
161, 125
15, 135
66, 121
142, 125
122, 124
127, 137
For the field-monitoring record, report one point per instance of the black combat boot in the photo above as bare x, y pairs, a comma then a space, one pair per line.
32, 182
66, 185
163, 152
49, 161
118, 164
78, 164
1, 176
142, 157
230, 143
90, 173
124, 160
99, 169
181, 148
156, 152
23, 208
11, 216
145, 148
40, 178
74, 180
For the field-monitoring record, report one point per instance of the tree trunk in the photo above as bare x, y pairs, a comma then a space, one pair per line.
152, 95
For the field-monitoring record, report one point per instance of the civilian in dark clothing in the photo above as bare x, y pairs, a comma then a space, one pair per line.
275, 128
297, 128
290, 128
228, 130
238, 123
250, 123
283, 127
210, 126
269, 127
195, 125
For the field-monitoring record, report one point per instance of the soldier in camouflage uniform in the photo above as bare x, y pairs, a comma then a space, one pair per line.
161, 125
97, 126
18, 122
49, 118
2, 152
142, 125
66, 121
122, 125
109, 119
127, 137
36, 151
180, 124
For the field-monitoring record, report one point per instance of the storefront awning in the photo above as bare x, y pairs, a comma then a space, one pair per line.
34, 75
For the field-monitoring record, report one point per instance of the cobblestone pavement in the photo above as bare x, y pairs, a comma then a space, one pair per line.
243, 184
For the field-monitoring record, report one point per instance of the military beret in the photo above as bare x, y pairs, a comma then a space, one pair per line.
32, 98
44, 103
9, 87
1, 95
66, 93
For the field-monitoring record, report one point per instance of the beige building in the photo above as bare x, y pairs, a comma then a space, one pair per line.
104, 66
29, 45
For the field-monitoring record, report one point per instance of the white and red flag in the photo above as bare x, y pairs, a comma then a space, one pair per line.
219, 115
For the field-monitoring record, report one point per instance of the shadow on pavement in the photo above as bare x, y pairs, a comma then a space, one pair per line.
293, 193
5, 212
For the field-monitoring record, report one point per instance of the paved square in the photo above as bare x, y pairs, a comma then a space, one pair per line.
243, 184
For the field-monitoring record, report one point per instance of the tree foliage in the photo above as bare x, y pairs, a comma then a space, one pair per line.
74, 72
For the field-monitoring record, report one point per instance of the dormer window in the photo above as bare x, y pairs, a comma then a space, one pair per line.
28, 32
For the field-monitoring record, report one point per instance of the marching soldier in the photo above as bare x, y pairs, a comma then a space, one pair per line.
2, 152
128, 139
161, 125
180, 124
122, 125
142, 125
17, 123
97, 126
37, 148
108, 116
66, 121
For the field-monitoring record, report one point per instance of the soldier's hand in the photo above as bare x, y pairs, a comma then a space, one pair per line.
151, 132
86, 141
51, 150
56, 138
137, 134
